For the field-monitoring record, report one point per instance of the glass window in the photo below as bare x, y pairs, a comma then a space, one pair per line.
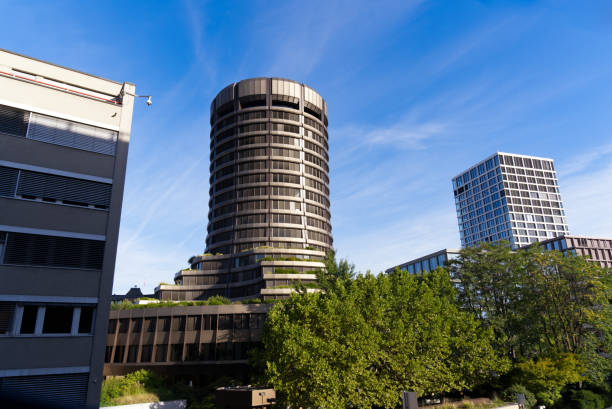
417, 268
161, 352
58, 320
132, 353
28, 319
411, 269
123, 325
146, 353
433, 262
86, 320
441, 260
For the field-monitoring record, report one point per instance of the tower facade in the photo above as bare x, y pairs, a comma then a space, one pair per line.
509, 197
269, 217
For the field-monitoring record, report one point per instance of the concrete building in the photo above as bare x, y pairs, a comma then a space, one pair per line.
268, 220
509, 197
64, 140
428, 262
596, 250
190, 343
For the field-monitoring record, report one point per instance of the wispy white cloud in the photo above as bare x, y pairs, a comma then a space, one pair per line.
303, 35
587, 195
152, 209
196, 25
408, 237
583, 161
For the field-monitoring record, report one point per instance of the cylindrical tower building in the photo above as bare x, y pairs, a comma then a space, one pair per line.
269, 220
269, 172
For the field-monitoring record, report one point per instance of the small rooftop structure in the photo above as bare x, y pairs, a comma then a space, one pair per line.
243, 397
132, 295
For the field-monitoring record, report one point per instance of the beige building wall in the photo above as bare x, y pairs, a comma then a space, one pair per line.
64, 139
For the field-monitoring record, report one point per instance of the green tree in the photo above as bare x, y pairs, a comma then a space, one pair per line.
490, 278
546, 377
569, 309
335, 272
539, 303
364, 340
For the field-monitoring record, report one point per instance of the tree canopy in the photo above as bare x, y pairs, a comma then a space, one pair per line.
539, 303
365, 339
531, 319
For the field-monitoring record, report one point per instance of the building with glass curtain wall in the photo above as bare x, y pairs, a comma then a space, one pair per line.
509, 197
427, 263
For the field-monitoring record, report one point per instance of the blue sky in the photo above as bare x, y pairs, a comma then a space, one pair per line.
417, 92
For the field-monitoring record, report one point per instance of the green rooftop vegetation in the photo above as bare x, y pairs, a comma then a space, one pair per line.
214, 300
293, 271
269, 258
299, 284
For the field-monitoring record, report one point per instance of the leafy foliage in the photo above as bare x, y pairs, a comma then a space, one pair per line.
585, 399
366, 339
139, 383
510, 395
214, 300
335, 273
550, 313
547, 376
361, 340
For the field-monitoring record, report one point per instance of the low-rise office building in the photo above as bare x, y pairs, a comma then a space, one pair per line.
190, 343
64, 138
597, 250
427, 263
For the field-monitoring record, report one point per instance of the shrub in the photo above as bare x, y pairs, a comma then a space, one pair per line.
286, 271
584, 399
145, 383
510, 393
547, 376
251, 301
218, 300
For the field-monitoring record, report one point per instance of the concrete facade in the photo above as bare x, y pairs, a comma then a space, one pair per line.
64, 139
596, 250
189, 343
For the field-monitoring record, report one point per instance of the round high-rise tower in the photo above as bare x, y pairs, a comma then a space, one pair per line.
269, 172
268, 221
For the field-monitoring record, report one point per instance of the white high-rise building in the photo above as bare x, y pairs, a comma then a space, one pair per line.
509, 197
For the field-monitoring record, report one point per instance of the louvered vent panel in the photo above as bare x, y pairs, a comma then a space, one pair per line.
40, 250
60, 391
13, 121
8, 179
73, 134
6, 316
63, 188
